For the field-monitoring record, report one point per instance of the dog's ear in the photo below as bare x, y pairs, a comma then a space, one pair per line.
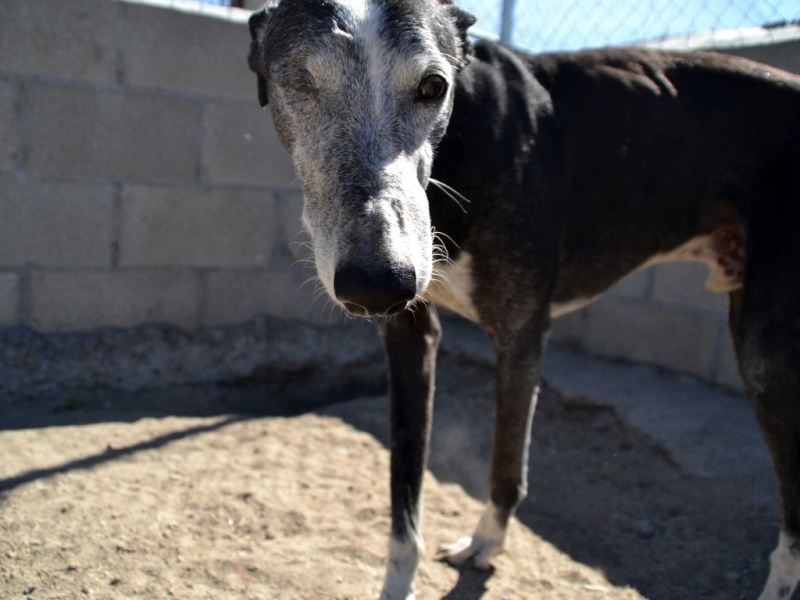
258, 29
463, 21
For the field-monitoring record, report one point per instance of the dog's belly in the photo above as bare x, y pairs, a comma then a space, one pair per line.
723, 251
559, 309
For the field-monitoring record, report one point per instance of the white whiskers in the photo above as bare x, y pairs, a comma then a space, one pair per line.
451, 193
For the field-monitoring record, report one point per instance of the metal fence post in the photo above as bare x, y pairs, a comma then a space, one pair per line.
507, 25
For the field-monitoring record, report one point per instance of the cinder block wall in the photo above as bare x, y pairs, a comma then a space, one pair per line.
140, 182
139, 179
663, 316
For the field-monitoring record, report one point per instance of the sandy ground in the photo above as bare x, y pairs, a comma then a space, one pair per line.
179, 493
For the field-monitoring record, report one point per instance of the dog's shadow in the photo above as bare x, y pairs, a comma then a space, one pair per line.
471, 584
601, 492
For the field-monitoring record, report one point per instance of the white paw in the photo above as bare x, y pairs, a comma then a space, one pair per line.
401, 569
393, 591
397, 588
475, 551
479, 549
784, 572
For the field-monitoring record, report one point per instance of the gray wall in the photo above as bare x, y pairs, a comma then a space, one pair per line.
140, 182
139, 179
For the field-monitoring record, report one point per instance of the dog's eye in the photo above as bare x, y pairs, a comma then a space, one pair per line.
298, 80
432, 87
305, 83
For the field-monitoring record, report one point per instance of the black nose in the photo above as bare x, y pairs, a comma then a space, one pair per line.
375, 289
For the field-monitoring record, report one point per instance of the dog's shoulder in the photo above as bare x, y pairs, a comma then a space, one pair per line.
497, 73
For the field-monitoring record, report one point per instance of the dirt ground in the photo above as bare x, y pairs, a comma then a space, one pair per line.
191, 493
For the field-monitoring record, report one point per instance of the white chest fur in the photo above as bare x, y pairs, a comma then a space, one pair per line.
452, 287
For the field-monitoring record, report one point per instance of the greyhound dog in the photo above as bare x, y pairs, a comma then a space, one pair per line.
512, 189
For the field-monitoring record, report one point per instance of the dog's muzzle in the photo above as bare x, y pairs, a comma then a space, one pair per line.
375, 290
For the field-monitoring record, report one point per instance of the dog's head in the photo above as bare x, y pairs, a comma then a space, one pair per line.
361, 92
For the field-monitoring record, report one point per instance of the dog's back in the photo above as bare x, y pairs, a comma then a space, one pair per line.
629, 153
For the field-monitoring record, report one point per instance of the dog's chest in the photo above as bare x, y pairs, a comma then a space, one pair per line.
452, 287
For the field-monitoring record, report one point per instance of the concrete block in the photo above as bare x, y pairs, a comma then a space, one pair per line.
69, 40
240, 145
9, 298
55, 223
190, 226
674, 339
727, 371
83, 300
569, 329
172, 50
110, 134
635, 285
234, 297
8, 125
684, 284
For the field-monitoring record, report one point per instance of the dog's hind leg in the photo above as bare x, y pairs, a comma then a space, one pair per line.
411, 340
518, 367
765, 322
769, 355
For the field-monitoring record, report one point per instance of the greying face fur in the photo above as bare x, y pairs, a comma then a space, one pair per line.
361, 92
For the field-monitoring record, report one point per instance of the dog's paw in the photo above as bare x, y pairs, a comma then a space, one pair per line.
784, 572
394, 589
401, 568
479, 549
475, 551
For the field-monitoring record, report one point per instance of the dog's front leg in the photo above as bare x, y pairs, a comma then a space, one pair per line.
518, 367
411, 340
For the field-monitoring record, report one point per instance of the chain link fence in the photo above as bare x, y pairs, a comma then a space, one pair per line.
547, 25
544, 25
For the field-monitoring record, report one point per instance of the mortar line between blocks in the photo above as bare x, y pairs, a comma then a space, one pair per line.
200, 135
125, 88
201, 298
116, 223
19, 108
